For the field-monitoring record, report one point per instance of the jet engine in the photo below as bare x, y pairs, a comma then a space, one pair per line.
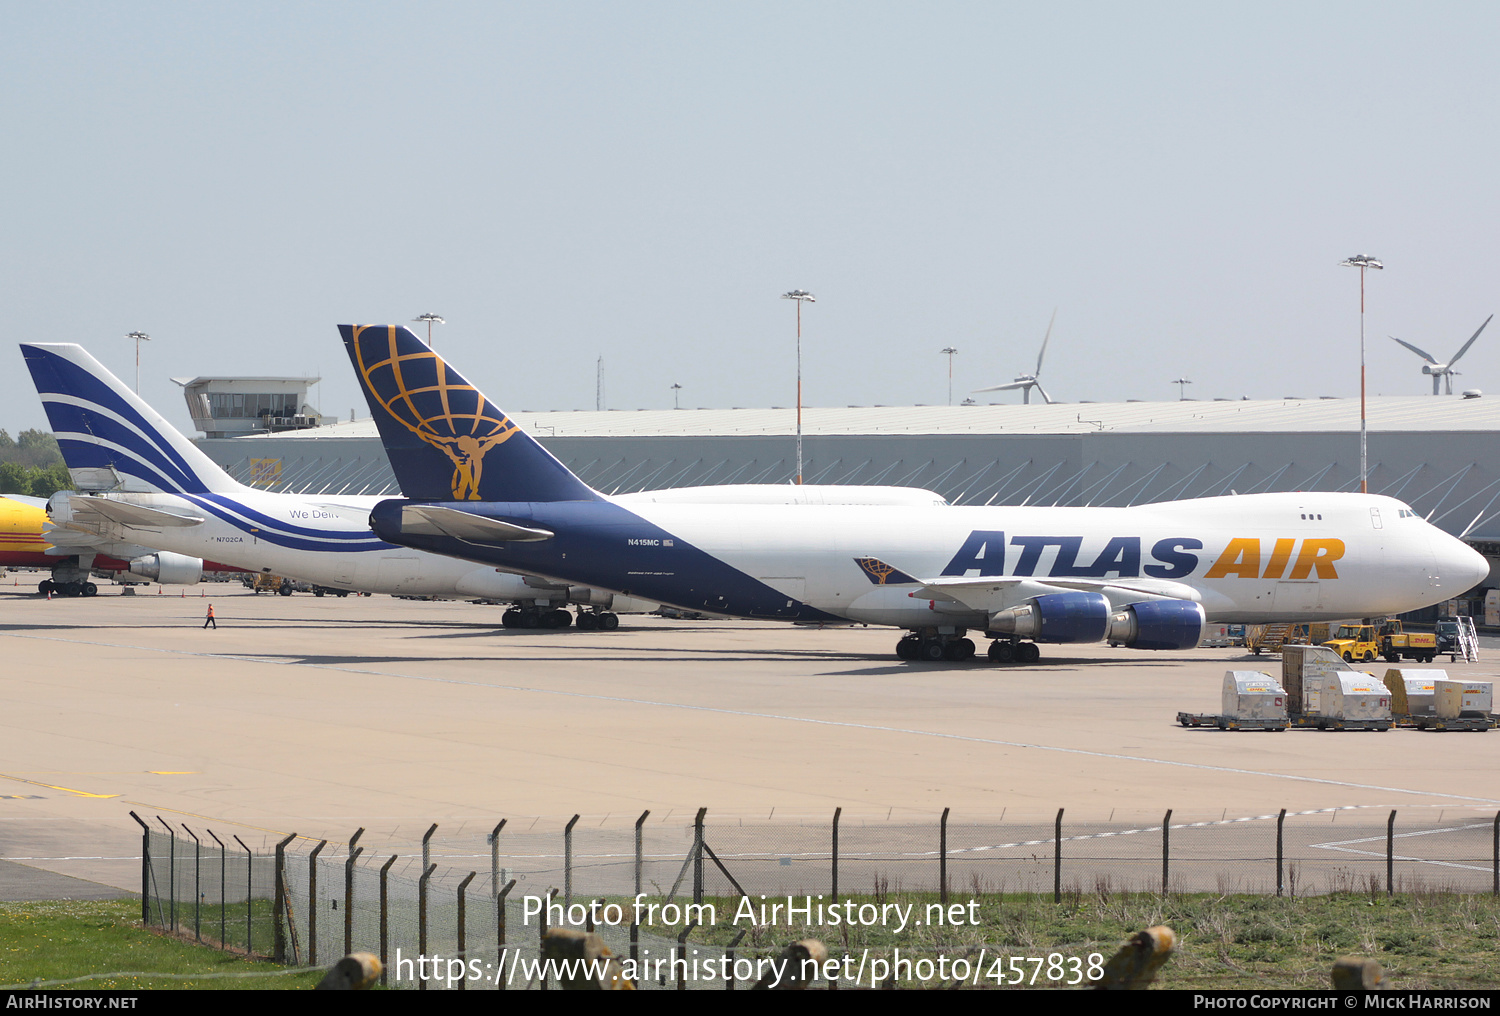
1158, 624
168, 568
1056, 617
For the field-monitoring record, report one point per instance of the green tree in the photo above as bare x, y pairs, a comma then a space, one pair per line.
14, 478
38, 448
46, 481
32, 448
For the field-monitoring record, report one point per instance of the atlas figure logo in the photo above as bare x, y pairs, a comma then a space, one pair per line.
984, 553
428, 399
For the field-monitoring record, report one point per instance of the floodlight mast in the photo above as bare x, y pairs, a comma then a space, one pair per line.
799, 295
1362, 262
949, 351
431, 319
138, 336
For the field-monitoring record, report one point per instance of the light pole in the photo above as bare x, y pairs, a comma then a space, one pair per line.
138, 336
799, 295
675, 389
1362, 262
431, 319
1182, 384
950, 351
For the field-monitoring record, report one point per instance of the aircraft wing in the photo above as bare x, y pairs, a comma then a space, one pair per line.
136, 515
430, 520
995, 593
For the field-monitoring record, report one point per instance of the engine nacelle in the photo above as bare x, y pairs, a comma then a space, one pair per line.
168, 568
1056, 617
1158, 624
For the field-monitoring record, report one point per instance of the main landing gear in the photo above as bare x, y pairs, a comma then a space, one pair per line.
933, 646
1009, 651
533, 617
597, 620
67, 588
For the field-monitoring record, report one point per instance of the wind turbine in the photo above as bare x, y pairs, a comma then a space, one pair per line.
1026, 382
1442, 372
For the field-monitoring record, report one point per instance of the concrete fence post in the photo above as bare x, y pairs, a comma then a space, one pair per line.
278, 905
1280, 853
568, 861
943, 857
354, 856
500, 932
1057, 858
495, 876
312, 903
698, 856
171, 921
385, 920
834, 890
1166, 848
146, 866
641, 856
1390, 854
349, 890
422, 919
223, 881
249, 894
463, 947
197, 884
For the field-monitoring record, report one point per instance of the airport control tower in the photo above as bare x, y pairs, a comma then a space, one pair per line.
237, 406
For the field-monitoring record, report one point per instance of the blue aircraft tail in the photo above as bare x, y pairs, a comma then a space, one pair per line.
109, 437
445, 440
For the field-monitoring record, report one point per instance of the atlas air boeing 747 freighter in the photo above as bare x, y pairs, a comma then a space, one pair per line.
1150, 577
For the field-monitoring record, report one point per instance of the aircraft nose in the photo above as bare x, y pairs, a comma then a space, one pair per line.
1459, 566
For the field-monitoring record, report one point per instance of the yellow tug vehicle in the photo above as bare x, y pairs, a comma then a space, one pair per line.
1362, 643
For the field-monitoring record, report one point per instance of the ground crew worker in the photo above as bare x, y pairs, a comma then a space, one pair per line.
210, 619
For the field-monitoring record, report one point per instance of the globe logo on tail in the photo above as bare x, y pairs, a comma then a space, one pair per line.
882, 574
437, 405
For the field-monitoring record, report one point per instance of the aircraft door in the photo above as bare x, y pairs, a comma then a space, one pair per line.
1294, 597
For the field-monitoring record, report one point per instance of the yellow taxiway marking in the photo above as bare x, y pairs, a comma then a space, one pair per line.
66, 790
173, 772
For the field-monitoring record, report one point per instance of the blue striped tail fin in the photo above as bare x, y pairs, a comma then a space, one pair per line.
445, 440
109, 437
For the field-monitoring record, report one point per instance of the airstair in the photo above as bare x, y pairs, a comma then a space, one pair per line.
1266, 638
1468, 640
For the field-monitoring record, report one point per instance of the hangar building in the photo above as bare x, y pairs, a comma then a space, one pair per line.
1441, 455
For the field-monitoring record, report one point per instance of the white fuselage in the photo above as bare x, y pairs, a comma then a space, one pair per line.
323, 540
327, 540
1255, 558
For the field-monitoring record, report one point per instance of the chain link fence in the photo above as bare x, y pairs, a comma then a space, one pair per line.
469, 911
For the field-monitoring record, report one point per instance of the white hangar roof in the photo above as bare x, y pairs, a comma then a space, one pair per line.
1417, 413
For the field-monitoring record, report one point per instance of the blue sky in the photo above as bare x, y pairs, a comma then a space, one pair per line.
641, 181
